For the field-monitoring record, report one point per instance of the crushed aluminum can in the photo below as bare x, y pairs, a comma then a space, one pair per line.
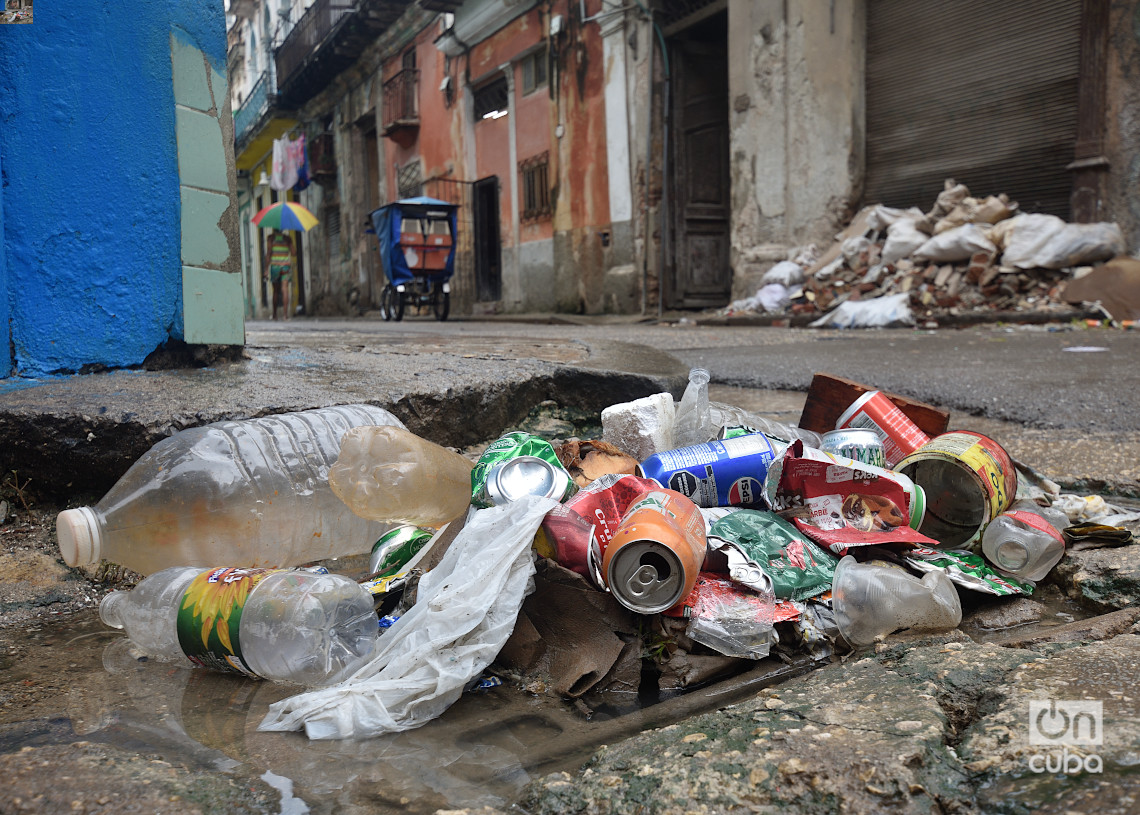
510, 447
526, 475
863, 446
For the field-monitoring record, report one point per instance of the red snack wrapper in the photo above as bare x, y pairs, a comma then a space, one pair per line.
840, 504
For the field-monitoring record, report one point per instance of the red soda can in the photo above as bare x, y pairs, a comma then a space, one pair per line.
874, 411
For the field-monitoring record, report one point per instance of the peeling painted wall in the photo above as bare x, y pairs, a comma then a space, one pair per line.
796, 122
1122, 120
97, 192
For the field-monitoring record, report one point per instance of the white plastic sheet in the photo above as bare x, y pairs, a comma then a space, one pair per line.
786, 273
878, 312
903, 239
465, 610
956, 244
1045, 241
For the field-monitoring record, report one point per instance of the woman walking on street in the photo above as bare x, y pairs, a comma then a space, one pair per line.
279, 262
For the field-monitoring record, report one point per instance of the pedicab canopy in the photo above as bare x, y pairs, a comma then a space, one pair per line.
417, 236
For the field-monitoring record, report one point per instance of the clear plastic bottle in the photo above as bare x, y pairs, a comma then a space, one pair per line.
1022, 544
248, 493
391, 474
722, 415
692, 424
286, 625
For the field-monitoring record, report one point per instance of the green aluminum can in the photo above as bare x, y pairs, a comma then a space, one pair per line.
513, 446
395, 548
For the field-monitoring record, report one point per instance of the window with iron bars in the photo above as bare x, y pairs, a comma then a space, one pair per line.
410, 180
535, 187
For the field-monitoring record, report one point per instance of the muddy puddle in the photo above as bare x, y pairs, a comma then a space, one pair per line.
482, 751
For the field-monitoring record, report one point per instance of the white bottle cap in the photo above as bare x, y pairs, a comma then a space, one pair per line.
77, 531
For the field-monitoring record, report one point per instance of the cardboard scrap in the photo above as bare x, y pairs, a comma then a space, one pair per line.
829, 395
1115, 284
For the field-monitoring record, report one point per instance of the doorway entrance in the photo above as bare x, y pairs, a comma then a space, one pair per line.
488, 258
699, 274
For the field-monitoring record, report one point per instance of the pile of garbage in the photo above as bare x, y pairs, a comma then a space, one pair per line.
694, 538
893, 267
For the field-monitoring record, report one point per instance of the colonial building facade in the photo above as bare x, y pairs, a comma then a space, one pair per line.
661, 154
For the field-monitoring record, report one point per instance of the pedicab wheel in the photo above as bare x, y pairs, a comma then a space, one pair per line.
397, 307
386, 295
440, 304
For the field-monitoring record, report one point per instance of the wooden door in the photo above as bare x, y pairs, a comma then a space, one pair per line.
700, 274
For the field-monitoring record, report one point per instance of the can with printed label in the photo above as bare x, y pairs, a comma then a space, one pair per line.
875, 412
969, 480
861, 445
727, 472
654, 557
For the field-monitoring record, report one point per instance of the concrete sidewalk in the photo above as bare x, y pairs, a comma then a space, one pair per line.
78, 434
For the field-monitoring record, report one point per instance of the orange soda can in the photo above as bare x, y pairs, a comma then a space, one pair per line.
654, 557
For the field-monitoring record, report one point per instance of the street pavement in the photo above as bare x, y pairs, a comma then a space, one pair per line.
1061, 397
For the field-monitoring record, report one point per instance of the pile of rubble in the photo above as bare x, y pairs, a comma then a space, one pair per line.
966, 255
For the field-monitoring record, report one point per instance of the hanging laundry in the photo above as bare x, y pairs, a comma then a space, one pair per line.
302, 155
284, 168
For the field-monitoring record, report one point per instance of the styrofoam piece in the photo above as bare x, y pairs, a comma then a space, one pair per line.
641, 427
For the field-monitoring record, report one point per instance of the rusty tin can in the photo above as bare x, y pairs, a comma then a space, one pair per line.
969, 480
654, 557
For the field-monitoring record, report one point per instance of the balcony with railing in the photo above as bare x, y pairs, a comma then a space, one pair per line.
330, 37
252, 111
401, 113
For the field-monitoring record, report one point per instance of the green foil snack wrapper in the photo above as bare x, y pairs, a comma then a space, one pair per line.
512, 445
798, 567
967, 570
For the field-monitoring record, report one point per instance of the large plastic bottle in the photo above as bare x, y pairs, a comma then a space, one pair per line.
287, 625
247, 493
1022, 544
391, 474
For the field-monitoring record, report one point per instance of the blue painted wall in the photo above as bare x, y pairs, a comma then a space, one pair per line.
91, 265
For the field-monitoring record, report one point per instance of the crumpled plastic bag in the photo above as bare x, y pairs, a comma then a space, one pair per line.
903, 239
1039, 241
1082, 508
878, 312
883, 217
959, 243
786, 273
465, 610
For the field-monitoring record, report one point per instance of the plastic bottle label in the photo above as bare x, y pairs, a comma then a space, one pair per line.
1035, 521
209, 617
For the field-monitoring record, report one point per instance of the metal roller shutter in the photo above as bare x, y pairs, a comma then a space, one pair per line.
982, 92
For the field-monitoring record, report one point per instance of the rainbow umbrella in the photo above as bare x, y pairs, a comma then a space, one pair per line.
285, 215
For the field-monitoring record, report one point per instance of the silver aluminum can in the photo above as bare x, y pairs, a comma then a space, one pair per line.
526, 475
863, 446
